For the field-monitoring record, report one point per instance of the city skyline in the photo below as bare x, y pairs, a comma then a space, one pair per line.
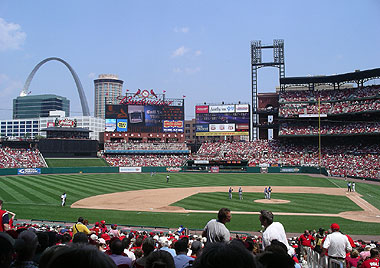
197, 49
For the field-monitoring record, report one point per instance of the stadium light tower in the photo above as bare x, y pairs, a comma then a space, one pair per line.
256, 63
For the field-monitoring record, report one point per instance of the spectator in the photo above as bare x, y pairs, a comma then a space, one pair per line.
6, 249
273, 231
117, 251
337, 244
147, 247
4, 218
181, 259
160, 259
215, 230
25, 247
225, 255
80, 227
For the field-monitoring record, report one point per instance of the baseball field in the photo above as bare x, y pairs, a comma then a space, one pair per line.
191, 199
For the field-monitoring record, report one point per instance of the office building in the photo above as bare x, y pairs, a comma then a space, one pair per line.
35, 106
108, 88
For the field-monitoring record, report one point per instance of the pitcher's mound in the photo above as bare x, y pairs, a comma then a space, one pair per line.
271, 201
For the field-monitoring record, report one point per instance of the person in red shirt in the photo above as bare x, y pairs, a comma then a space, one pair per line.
4, 219
306, 240
373, 261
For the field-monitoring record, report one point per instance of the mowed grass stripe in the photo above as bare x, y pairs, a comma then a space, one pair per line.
23, 193
38, 190
298, 203
7, 192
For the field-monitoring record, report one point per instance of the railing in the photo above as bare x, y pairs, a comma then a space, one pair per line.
315, 260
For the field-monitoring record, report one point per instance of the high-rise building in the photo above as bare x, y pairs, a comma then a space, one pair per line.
107, 88
35, 106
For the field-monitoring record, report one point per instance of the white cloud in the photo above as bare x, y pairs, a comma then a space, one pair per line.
181, 29
192, 70
180, 51
11, 36
8, 87
187, 70
198, 53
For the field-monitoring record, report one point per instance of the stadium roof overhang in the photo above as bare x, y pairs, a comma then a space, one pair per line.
357, 76
67, 129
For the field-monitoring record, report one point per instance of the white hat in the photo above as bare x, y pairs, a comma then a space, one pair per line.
102, 241
93, 237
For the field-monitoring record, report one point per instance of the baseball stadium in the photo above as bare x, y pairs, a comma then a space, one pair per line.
314, 142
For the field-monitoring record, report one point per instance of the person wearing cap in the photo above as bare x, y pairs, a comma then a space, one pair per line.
215, 230
273, 231
103, 227
4, 218
336, 244
319, 239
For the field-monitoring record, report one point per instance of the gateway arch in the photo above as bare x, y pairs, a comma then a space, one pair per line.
82, 96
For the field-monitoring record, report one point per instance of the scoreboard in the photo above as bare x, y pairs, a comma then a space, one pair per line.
222, 120
146, 113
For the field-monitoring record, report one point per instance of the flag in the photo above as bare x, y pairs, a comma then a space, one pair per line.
184, 96
164, 91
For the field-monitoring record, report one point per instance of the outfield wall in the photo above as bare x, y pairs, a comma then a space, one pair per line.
71, 170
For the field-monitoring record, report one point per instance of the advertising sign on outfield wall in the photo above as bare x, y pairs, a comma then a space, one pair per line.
214, 169
173, 169
129, 169
28, 171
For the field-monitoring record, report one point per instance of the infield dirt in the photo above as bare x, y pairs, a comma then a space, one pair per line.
159, 200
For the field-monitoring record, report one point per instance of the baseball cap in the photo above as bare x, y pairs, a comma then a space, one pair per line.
103, 222
335, 227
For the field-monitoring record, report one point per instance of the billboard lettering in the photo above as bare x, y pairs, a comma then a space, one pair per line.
122, 125
221, 108
173, 126
201, 109
201, 128
242, 108
221, 127
28, 171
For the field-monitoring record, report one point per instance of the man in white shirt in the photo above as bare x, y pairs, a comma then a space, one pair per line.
337, 244
63, 199
273, 231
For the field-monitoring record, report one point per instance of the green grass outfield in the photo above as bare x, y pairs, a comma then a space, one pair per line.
38, 197
76, 162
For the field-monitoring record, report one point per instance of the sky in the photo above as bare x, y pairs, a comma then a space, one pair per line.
194, 48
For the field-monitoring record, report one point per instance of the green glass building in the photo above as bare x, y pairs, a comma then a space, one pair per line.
35, 106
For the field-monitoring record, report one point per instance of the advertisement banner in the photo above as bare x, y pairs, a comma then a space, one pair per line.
153, 115
28, 171
114, 111
221, 127
242, 127
173, 169
201, 162
122, 125
290, 170
214, 169
201, 128
172, 126
242, 108
205, 134
201, 109
129, 169
110, 125
226, 118
219, 109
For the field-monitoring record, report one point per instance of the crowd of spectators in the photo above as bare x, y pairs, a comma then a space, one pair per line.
146, 146
20, 158
330, 108
43, 245
146, 160
290, 129
340, 160
332, 102
330, 95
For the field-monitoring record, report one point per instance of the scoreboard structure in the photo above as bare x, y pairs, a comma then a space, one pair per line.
222, 120
145, 112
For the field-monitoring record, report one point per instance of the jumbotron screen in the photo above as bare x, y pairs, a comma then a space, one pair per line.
222, 120
146, 112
